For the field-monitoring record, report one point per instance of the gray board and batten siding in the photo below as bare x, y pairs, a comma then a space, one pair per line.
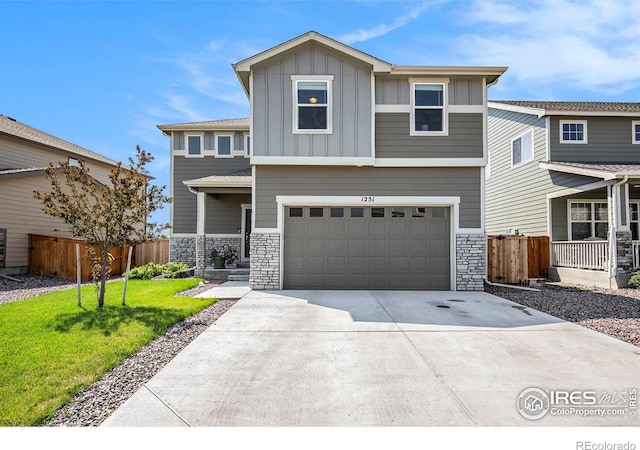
464, 140
273, 105
464, 182
185, 202
397, 91
516, 196
608, 141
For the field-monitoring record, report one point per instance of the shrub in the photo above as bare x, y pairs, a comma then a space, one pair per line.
634, 281
146, 272
151, 270
176, 270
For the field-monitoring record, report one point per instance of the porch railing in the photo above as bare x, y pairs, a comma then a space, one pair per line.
582, 255
636, 254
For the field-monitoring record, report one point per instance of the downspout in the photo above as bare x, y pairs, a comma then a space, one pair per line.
613, 253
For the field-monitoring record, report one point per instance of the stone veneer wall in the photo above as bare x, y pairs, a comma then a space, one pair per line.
221, 243
471, 257
183, 249
265, 261
624, 250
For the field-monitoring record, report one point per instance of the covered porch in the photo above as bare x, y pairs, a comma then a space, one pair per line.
223, 219
595, 228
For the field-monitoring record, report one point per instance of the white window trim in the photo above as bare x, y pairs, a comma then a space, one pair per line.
247, 145
216, 136
583, 122
629, 218
186, 145
634, 124
302, 78
593, 221
533, 147
445, 109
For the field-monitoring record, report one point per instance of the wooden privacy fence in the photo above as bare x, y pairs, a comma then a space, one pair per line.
56, 256
516, 259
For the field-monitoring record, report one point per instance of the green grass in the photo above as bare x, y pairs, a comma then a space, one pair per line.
50, 349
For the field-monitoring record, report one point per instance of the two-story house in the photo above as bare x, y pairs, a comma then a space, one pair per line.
569, 171
363, 174
24, 154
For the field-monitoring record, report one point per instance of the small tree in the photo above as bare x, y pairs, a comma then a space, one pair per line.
106, 215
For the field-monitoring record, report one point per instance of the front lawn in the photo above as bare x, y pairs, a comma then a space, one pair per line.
50, 349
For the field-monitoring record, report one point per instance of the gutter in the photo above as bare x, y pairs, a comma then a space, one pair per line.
613, 254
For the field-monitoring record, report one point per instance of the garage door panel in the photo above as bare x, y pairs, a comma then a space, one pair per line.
336, 263
315, 263
377, 246
337, 246
388, 248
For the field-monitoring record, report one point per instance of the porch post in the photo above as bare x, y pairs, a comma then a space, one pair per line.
621, 246
201, 240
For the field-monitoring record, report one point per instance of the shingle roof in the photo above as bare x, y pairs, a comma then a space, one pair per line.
241, 178
552, 106
12, 127
224, 124
605, 171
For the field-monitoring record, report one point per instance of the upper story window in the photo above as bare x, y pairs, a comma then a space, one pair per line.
247, 145
194, 145
428, 108
73, 162
573, 131
312, 99
635, 130
223, 145
522, 149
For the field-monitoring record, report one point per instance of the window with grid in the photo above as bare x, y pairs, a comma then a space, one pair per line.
589, 220
573, 132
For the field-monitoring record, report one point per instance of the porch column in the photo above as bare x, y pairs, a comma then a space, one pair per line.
201, 240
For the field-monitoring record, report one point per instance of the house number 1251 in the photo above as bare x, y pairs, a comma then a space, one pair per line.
367, 199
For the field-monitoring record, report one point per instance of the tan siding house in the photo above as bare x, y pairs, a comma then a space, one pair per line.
24, 153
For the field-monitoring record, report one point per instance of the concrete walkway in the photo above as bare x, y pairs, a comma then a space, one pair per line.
380, 358
227, 290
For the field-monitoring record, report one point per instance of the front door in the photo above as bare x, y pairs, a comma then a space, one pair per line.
247, 232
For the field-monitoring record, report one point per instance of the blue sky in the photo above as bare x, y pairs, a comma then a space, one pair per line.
103, 74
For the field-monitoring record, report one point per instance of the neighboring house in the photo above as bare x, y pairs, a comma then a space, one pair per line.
363, 175
24, 154
569, 171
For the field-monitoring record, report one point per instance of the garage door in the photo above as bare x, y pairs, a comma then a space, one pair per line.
366, 248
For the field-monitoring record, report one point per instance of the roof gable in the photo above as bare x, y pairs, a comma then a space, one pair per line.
243, 68
12, 127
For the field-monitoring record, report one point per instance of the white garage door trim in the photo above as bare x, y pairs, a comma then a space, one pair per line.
353, 200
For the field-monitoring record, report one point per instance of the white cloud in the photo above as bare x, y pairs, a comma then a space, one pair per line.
588, 44
183, 105
382, 29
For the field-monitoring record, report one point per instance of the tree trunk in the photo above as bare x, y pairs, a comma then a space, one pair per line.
103, 276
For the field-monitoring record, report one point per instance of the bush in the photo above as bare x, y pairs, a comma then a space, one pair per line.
634, 281
146, 272
151, 270
176, 270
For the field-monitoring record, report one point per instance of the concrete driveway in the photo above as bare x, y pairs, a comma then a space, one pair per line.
385, 358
